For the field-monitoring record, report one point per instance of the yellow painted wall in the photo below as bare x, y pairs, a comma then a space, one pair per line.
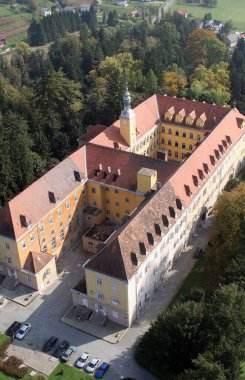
146, 181
128, 129
9, 253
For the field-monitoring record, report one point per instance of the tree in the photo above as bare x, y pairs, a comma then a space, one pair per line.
203, 47
174, 81
227, 238
205, 368
172, 340
151, 83
238, 75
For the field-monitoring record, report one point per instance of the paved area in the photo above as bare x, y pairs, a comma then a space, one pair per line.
22, 294
97, 326
46, 311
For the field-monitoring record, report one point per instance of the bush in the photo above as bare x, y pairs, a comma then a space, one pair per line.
11, 367
3, 347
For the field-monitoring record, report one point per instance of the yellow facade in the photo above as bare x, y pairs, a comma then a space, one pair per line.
128, 128
146, 179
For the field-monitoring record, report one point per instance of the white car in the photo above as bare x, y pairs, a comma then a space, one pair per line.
91, 367
81, 361
24, 329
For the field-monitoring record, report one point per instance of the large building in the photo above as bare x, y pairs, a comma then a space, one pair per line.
132, 193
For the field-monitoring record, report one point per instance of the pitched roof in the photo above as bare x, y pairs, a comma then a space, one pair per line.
119, 168
34, 202
116, 258
37, 261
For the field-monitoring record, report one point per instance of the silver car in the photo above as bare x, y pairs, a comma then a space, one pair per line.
81, 361
24, 328
67, 354
91, 367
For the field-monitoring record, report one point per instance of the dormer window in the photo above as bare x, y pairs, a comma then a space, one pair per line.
228, 139
221, 149
150, 238
169, 114
201, 120
142, 248
179, 204
172, 212
217, 155
195, 180
188, 190
212, 160
165, 220
52, 197
206, 168
134, 258
190, 118
158, 229
201, 174
224, 144
180, 116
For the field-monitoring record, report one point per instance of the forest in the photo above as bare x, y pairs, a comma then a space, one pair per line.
48, 100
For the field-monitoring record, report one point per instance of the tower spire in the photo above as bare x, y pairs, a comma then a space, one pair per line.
126, 99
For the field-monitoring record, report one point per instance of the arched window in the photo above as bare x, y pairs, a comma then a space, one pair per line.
163, 141
190, 147
176, 133
163, 130
198, 138
184, 134
169, 142
183, 146
169, 153
170, 131
176, 144
191, 135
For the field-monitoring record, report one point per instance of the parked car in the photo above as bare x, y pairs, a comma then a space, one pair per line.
197, 253
24, 329
62, 347
67, 354
81, 361
91, 367
12, 330
101, 370
51, 342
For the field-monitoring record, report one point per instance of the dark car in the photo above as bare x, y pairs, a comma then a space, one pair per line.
62, 347
50, 343
12, 330
197, 253
101, 370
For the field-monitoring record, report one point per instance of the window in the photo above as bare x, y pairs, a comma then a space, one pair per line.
51, 220
44, 249
184, 134
115, 301
114, 314
191, 135
117, 215
108, 212
90, 244
32, 237
176, 133
169, 153
176, 144
113, 286
52, 232
59, 213
6, 245
198, 138
163, 141
126, 200
116, 191
99, 296
117, 204
170, 131
69, 216
75, 197
93, 190
69, 227
176, 155
68, 205
53, 242
23, 244
183, 146
9, 260
43, 240
29, 278
163, 130
169, 142
41, 228
107, 189
98, 281
190, 147
62, 237
94, 203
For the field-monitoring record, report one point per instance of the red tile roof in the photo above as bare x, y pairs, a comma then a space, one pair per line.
92, 132
34, 202
35, 262
127, 163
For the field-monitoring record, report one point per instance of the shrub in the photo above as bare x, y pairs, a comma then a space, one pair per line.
3, 347
11, 367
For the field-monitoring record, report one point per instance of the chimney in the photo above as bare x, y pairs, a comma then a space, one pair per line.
109, 169
118, 172
100, 167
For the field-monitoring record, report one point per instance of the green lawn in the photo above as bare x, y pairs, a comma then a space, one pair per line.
112, 5
200, 277
225, 10
70, 373
3, 338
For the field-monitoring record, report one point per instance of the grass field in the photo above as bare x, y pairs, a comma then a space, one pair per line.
225, 10
134, 5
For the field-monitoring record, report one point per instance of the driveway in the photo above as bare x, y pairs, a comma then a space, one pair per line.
46, 311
